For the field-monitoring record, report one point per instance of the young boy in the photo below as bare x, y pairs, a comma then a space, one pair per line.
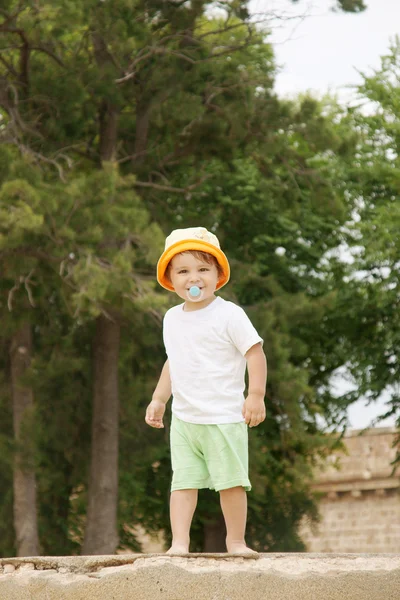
208, 343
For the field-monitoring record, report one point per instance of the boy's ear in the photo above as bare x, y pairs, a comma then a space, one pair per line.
167, 272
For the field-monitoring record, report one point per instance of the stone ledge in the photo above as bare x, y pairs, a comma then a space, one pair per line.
391, 485
202, 577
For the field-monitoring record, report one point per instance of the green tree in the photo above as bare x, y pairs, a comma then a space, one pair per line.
20, 225
278, 209
164, 100
351, 6
370, 298
78, 99
26, 76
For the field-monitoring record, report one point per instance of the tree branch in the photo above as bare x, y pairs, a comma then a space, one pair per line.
169, 188
185, 57
37, 155
9, 18
51, 54
26, 280
8, 66
41, 48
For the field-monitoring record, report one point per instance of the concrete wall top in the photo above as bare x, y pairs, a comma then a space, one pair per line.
202, 577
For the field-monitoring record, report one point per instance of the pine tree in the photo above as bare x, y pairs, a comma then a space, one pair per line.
128, 117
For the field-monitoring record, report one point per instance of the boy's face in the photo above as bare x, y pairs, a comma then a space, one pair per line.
185, 271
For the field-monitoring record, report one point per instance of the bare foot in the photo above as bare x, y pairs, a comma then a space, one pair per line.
178, 549
237, 548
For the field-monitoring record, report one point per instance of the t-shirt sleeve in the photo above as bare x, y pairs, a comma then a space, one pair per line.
166, 329
241, 330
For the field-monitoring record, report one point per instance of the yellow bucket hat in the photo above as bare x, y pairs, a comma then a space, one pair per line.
192, 238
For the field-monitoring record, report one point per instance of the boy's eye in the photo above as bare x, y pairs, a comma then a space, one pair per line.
182, 271
204, 269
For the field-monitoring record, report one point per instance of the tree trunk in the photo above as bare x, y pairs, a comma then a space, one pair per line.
214, 535
101, 535
108, 117
25, 513
142, 130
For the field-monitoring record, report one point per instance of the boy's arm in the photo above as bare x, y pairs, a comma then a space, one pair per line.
161, 395
254, 407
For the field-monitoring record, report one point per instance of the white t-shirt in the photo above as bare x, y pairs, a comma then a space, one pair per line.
206, 349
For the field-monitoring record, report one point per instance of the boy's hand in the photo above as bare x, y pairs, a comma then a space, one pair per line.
254, 410
154, 414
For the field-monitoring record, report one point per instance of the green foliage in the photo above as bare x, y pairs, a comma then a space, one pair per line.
351, 6
369, 303
63, 401
199, 138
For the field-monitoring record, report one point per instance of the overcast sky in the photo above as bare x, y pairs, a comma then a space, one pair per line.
324, 51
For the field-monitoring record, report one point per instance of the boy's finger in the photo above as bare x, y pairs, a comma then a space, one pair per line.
249, 419
151, 418
155, 423
255, 420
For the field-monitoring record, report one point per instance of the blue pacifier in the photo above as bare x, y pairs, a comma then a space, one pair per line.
194, 292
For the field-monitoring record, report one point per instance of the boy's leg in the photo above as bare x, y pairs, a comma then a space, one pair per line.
234, 508
182, 507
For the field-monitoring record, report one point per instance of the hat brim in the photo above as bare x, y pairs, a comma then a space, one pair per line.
185, 246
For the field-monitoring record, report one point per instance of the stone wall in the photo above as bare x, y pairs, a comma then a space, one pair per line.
360, 504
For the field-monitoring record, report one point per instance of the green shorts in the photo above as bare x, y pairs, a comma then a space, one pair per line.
209, 456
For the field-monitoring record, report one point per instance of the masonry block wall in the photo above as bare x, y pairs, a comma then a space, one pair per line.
360, 505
